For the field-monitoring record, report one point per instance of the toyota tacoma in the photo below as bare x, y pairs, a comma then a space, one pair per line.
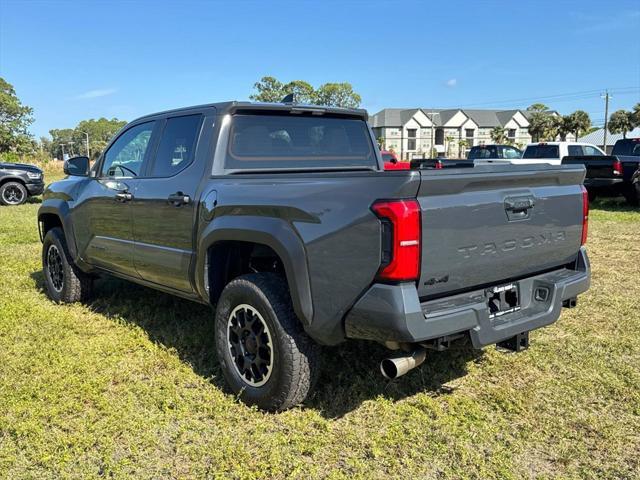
282, 218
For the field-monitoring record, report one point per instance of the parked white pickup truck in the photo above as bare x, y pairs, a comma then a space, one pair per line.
548, 152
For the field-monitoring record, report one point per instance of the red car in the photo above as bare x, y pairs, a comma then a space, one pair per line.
391, 161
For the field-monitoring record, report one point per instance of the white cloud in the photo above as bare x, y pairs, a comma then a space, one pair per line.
452, 82
103, 92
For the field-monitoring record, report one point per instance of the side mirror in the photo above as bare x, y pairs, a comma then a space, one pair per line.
77, 166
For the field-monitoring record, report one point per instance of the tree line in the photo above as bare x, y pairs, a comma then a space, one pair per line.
15, 119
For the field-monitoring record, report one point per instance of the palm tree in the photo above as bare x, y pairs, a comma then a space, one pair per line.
580, 122
498, 135
621, 121
463, 144
537, 107
563, 125
448, 139
635, 116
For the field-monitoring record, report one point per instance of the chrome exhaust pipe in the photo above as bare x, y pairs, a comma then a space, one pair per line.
393, 368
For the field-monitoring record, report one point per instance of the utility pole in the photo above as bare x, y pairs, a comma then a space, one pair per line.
606, 97
87, 143
433, 123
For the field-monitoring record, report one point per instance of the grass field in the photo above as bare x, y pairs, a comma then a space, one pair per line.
128, 386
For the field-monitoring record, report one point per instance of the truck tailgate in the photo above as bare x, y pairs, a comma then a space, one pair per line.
492, 224
597, 166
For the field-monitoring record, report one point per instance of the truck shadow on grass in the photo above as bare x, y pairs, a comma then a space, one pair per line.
350, 372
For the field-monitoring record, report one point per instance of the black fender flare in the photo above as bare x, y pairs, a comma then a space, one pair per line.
60, 209
279, 235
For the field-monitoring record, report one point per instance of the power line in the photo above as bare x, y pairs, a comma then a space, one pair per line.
581, 95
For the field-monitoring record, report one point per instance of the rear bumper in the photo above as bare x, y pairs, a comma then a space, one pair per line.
394, 312
35, 188
603, 182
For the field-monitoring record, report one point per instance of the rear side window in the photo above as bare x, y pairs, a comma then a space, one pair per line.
177, 145
290, 141
575, 150
542, 151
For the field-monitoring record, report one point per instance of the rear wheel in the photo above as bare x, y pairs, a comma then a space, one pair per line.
64, 282
266, 357
632, 195
13, 193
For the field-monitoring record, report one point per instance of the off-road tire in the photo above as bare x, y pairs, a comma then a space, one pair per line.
632, 195
296, 357
76, 285
6, 191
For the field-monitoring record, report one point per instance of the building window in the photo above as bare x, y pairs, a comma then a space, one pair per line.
512, 133
439, 136
411, 132
411, 144
468, 133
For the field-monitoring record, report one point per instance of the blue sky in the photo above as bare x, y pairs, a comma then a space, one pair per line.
76, 60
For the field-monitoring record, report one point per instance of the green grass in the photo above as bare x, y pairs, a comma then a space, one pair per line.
128, 386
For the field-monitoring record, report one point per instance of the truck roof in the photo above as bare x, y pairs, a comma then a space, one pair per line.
235, 105
558, 143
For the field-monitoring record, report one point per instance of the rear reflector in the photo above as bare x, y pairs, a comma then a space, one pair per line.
401, 234
585, 215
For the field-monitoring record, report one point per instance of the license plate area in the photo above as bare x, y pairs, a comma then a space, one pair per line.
503, 299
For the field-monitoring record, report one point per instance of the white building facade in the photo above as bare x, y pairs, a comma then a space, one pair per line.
415, 132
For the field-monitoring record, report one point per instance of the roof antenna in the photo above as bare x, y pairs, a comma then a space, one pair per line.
288, 99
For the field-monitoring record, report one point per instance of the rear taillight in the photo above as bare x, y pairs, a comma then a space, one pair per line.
401, 234
617, 167
585, 215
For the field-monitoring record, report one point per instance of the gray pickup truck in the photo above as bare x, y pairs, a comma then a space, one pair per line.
282, 218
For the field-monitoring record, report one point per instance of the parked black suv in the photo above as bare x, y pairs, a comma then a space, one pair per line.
19, 181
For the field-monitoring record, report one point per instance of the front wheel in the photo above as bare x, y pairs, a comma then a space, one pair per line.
13, 193
64, 282
266, 357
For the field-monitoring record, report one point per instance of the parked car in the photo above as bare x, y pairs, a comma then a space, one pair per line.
391, 161
281, 217
615, 174
554, 152
19, 181
483, 154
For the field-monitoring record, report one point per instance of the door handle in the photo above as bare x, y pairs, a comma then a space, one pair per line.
519, 204
124, 197
178, 199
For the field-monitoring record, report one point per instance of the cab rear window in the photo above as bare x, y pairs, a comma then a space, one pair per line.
542, 151
630, 147
295, 141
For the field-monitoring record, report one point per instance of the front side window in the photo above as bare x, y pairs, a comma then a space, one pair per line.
510, 152
176, 149
294, 141
590, 150
124, 158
